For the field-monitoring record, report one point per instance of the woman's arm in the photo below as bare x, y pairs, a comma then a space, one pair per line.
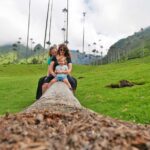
69, 69
50, 69
48, 62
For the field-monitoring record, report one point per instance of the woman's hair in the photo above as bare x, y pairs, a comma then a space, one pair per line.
65, 49
50, 49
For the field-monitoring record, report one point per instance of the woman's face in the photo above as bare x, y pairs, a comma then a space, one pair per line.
62, 51
54, 52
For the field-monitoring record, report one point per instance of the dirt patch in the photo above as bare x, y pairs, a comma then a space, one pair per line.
124, 83
81, 77
45, 130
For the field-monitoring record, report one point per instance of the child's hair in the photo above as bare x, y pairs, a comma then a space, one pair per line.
62, 59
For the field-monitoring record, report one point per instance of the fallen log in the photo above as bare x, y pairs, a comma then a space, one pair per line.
56, 97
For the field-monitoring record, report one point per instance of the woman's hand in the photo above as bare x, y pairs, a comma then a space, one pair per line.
51, 69
69, 68
53, 74
66, 72
58, 72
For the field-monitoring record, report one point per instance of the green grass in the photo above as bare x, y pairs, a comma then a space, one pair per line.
18, 85
125, 103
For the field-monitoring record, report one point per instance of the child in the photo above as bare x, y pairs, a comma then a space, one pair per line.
60, 73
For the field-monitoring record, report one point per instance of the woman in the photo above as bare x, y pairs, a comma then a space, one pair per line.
63, 52
46, 79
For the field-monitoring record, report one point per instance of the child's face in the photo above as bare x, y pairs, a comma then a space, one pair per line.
61, 62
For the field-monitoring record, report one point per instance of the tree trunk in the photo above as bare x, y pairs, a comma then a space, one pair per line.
58, 97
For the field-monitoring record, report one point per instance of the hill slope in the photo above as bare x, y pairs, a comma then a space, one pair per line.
134, 46
18, 54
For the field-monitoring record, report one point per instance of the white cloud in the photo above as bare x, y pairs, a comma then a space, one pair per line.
113, 19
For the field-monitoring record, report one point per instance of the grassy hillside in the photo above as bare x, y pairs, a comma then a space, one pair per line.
37, 57
18, 85
7, 58
16, 53
11, 58
134, 46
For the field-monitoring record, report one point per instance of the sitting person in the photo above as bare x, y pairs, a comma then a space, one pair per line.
60, 74
46, 79
63, 52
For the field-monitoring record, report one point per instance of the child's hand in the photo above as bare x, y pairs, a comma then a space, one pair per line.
59, 72
65, 72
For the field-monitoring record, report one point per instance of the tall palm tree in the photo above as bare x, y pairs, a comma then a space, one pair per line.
19, 47
84, 13
67, 22
48, 5
64, 29
101, 57
15, 46
31, 39
94, 45
28, 29
50, 24
89, 46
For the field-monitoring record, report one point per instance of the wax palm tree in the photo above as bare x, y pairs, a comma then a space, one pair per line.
50, 24
67, 23
94, 45
84, 13
15, 46
31, 39
28, 32
48, 5
64, 30
89, 47
65, 10
19, 47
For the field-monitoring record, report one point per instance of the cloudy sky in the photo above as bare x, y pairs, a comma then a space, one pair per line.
106, 20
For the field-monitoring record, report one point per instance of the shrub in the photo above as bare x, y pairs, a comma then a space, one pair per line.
34, 61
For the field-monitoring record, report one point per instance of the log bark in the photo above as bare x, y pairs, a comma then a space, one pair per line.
57, 97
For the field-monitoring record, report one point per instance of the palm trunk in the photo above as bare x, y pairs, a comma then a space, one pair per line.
50, 24
57, 97
46, 23
67, 22
28, 32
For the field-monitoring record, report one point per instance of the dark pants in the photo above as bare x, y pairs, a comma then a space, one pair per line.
42, 80
72, 81
46, 79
